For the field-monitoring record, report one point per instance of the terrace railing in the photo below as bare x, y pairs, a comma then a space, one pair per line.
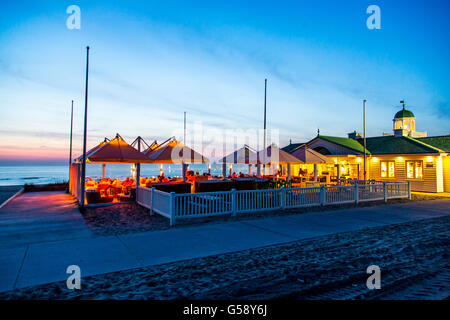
208, 204
144, 197
397, 190
162, 203
303, 197
257, 200
192, 205
371, 192
339, 194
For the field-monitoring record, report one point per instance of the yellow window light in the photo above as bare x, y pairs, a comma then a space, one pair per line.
358, 159
429, 159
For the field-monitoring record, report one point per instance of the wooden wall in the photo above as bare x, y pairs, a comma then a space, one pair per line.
446, 173
431, 172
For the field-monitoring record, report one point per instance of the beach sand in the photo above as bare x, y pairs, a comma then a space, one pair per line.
122, 218
8, 191
413, 257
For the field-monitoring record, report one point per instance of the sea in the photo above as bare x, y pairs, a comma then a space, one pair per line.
11, 175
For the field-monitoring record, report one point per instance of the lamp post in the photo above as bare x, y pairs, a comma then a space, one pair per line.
364, 135
183, 165
83, 166
264, 147
70, 152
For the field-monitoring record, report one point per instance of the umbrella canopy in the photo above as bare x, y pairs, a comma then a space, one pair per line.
308, 155
241, 155
101, 144
174, 152
274, 155
116, 151
151, 148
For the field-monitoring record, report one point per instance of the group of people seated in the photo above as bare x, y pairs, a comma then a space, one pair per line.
241, 175
161, 178
108, 187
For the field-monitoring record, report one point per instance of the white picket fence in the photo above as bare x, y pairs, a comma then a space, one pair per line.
178, 206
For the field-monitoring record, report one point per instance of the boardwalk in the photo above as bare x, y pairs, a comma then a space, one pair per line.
55, 237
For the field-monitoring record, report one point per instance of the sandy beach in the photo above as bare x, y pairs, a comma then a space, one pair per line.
8, 191
122, 218
413, 258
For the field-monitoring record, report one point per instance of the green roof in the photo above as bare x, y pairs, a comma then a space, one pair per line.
404, 114
441, 142
346, 142
291, 147
397, 145
388, 144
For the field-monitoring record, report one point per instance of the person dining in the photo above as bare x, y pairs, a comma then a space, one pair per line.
162, 178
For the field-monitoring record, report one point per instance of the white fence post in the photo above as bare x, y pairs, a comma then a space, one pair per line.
233, 202
282, 198
151, 200
322, 195
409, 190
356, 194
384, 191
172, 208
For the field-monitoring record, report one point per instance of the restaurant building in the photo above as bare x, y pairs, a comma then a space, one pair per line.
404, 155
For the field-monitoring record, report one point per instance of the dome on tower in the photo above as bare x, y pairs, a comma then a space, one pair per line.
404, 114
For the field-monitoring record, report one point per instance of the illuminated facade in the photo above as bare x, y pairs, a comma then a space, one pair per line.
405, 155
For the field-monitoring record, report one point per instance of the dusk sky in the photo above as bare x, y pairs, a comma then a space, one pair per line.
152, 60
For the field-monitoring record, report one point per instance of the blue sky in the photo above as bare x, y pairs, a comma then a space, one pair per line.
150, 61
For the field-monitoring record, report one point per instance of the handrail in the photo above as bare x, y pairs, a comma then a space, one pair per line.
207, 204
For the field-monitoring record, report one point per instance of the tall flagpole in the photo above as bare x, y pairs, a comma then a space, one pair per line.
183, 166
71, 129
83, 167
264, 152
364, 135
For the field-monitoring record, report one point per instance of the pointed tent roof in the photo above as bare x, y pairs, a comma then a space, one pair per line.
174, 152
155, 145
308, 155
151, 148
101, 144
139, 141
274, 155
241, 155
117, 151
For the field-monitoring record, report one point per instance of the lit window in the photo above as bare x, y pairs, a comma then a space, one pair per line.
391, 169
387, 169
414, 169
